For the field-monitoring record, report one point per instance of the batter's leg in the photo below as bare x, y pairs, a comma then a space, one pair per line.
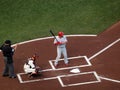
58, 56
64, 51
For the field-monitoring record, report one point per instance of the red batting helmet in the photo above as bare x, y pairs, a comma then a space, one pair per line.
60, 34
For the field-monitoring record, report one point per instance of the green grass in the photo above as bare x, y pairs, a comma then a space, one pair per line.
22, 20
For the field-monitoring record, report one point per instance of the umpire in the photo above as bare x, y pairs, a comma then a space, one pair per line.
8, 52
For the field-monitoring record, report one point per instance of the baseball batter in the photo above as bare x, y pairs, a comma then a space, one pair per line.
61, 41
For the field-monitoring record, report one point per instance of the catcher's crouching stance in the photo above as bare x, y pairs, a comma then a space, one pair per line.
30, 68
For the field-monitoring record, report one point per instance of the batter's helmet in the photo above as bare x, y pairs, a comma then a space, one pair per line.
60, 34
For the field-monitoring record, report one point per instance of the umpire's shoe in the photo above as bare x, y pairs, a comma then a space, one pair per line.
12, 76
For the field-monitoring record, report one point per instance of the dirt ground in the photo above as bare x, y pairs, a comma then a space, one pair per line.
97, 58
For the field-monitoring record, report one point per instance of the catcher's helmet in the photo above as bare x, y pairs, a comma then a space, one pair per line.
60, 34
34, 56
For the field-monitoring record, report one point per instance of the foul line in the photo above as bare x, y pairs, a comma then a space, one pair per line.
104, 49
117, 81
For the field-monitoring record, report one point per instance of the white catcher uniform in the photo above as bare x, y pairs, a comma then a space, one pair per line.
29, 67
61, 49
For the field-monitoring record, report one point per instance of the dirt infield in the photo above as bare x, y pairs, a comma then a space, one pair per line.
97, 58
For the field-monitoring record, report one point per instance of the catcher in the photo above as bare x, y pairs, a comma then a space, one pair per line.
30, 67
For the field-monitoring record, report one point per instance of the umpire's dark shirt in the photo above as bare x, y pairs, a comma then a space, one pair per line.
7, 52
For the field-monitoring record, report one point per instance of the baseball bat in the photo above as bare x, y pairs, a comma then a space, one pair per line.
53, 35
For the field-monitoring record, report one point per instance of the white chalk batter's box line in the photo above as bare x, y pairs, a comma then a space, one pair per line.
68, 75
83, 83
71, 58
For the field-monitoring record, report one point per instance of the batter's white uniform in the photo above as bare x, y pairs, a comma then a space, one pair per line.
61, 49
29, 67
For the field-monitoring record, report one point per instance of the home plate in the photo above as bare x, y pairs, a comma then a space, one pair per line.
76, 70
